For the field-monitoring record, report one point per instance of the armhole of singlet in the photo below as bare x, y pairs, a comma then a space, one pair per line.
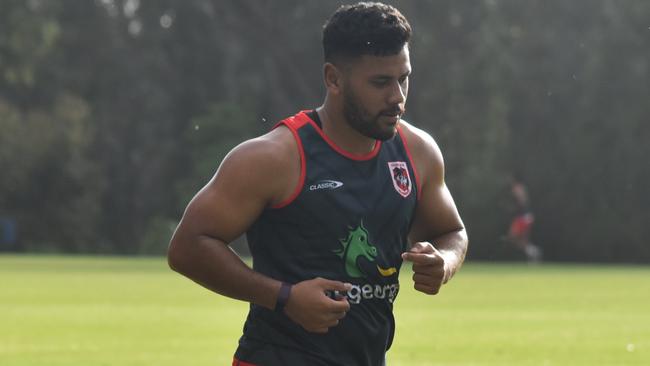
418, 186
301, 181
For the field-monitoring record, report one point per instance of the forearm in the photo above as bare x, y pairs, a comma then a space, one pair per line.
212, 264
453, 247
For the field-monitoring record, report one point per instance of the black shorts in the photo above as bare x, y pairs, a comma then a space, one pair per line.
262, 354
255, 353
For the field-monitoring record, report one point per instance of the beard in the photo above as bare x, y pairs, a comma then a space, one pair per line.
365, 122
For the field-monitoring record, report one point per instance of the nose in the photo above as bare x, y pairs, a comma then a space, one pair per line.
397, 93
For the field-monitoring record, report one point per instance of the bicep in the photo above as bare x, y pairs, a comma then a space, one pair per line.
221, 212
230, 202
436, 214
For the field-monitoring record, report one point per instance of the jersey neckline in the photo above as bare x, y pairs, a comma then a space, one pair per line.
335, 147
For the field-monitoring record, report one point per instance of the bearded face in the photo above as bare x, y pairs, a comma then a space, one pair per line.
374, 93
367, 123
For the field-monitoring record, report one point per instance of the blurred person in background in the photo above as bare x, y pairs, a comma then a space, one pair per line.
332, 201
522, 222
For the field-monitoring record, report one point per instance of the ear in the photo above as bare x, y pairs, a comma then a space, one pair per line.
333, 78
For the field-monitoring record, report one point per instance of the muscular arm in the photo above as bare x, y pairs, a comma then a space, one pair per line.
438, 233
256, 174
222, 211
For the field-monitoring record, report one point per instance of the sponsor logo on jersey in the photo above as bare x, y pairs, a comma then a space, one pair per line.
369, 292
325, 184
399, 173
356, 246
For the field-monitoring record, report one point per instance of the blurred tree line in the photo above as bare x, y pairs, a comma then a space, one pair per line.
113, 113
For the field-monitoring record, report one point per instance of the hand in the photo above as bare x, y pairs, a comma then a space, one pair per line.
431, 269
309, 306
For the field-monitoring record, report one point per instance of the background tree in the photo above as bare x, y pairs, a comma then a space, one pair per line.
114, 112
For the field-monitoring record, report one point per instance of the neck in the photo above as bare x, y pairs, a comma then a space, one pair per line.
337, 128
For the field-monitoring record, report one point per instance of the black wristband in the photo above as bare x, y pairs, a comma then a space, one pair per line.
283, 297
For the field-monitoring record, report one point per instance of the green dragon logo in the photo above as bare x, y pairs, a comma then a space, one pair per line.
357, 245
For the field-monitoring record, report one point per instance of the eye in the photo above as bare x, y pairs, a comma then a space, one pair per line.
363, 238
379, 83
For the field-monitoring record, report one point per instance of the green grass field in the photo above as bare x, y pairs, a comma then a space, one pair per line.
120, 311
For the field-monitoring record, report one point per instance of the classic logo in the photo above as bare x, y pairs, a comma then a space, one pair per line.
401, 180
326, 184
358, 245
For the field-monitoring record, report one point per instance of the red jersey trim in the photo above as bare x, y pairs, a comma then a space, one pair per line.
302, 116
415, 170
293, 125
236, 362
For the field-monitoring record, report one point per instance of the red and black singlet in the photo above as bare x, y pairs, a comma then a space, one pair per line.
348, 220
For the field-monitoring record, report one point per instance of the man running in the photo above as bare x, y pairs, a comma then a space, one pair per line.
332, 201
522, 222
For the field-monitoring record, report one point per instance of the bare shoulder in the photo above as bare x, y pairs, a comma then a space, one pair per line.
267, 152
254, 175
265, 166
425, 151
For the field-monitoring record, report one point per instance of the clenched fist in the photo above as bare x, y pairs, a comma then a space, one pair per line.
430, 268
309, 305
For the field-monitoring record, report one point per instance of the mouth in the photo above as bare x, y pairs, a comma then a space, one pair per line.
393, 118
394, 114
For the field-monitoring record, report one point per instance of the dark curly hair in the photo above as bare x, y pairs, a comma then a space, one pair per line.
365, 28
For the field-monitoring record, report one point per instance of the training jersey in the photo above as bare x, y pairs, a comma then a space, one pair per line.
347, 220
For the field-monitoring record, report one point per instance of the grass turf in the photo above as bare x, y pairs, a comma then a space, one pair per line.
134, 311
